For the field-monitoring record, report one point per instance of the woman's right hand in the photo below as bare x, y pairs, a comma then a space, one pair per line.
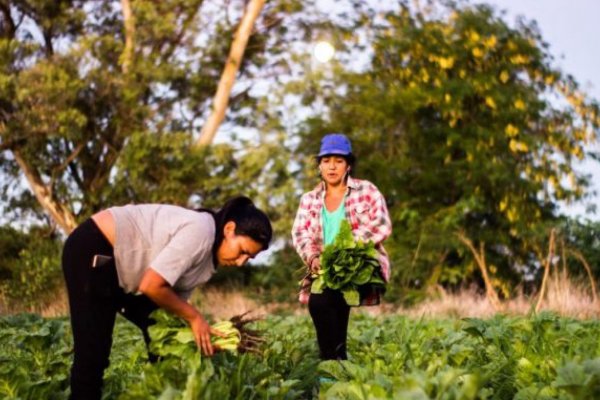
202, 331
315, 265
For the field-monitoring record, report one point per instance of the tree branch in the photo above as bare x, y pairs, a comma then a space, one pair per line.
129, 23
60, 214
64, 165
583, 261
232, 65
10, 29
47, 34
480, 260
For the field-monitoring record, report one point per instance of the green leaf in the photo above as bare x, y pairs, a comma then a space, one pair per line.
351, 296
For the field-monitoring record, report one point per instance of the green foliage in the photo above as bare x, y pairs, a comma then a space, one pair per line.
347, 264
92, 125
172, 337
453, 120
583, 236
390, 357
30, 270
183, 373
12, 241
35, 357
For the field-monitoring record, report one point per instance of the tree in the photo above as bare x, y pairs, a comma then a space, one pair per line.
100, 101
466, 127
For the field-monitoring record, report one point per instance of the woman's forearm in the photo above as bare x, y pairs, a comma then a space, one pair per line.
160, 292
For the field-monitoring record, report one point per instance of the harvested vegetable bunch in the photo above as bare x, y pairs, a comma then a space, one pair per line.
232, 338
250, 339
347, 264
172, 336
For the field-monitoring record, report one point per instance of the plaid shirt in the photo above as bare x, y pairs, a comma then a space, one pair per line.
365, 210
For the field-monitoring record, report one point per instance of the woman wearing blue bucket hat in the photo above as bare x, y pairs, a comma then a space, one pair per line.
337, 197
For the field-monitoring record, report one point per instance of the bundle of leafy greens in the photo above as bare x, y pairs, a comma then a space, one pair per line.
346, 265
172, 336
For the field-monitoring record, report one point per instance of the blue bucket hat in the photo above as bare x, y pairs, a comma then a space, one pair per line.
335, 143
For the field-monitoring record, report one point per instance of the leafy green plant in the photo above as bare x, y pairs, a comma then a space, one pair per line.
391, 357
172, 336
346, 265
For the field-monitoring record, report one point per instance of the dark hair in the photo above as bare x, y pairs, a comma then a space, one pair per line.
249, 221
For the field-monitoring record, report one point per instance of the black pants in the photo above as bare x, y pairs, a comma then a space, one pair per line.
330, 312
94, 300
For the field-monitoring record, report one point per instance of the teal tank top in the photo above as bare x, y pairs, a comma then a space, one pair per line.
331, 221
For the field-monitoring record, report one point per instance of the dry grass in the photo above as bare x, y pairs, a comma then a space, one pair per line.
224, 304
56, 305
572, 298
219, 304
565, 297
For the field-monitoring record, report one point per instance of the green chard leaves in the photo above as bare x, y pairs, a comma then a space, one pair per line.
347, 264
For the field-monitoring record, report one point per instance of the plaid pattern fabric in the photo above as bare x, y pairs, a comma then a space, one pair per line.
365, 210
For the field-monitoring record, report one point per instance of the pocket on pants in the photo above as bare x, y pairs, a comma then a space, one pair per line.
104, 280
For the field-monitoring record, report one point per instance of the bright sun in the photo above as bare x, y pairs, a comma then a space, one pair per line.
323, 51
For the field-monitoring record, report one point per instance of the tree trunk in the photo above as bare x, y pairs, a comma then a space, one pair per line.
129, 25
60, 214
63, 217
232, 65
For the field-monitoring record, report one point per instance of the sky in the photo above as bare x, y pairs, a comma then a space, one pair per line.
572, 30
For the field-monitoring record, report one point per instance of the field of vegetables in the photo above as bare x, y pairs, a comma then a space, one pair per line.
391, 357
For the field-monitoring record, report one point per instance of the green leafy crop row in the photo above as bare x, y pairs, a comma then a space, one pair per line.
542, 357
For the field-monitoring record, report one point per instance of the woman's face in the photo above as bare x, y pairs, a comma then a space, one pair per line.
236, 250
333, 169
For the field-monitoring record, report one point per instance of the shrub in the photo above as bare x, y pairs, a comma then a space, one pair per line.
29, 267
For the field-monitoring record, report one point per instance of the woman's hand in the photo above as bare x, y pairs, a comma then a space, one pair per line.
202, 332
158, 290
315, 265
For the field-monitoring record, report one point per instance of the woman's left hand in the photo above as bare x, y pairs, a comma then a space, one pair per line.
315, 265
